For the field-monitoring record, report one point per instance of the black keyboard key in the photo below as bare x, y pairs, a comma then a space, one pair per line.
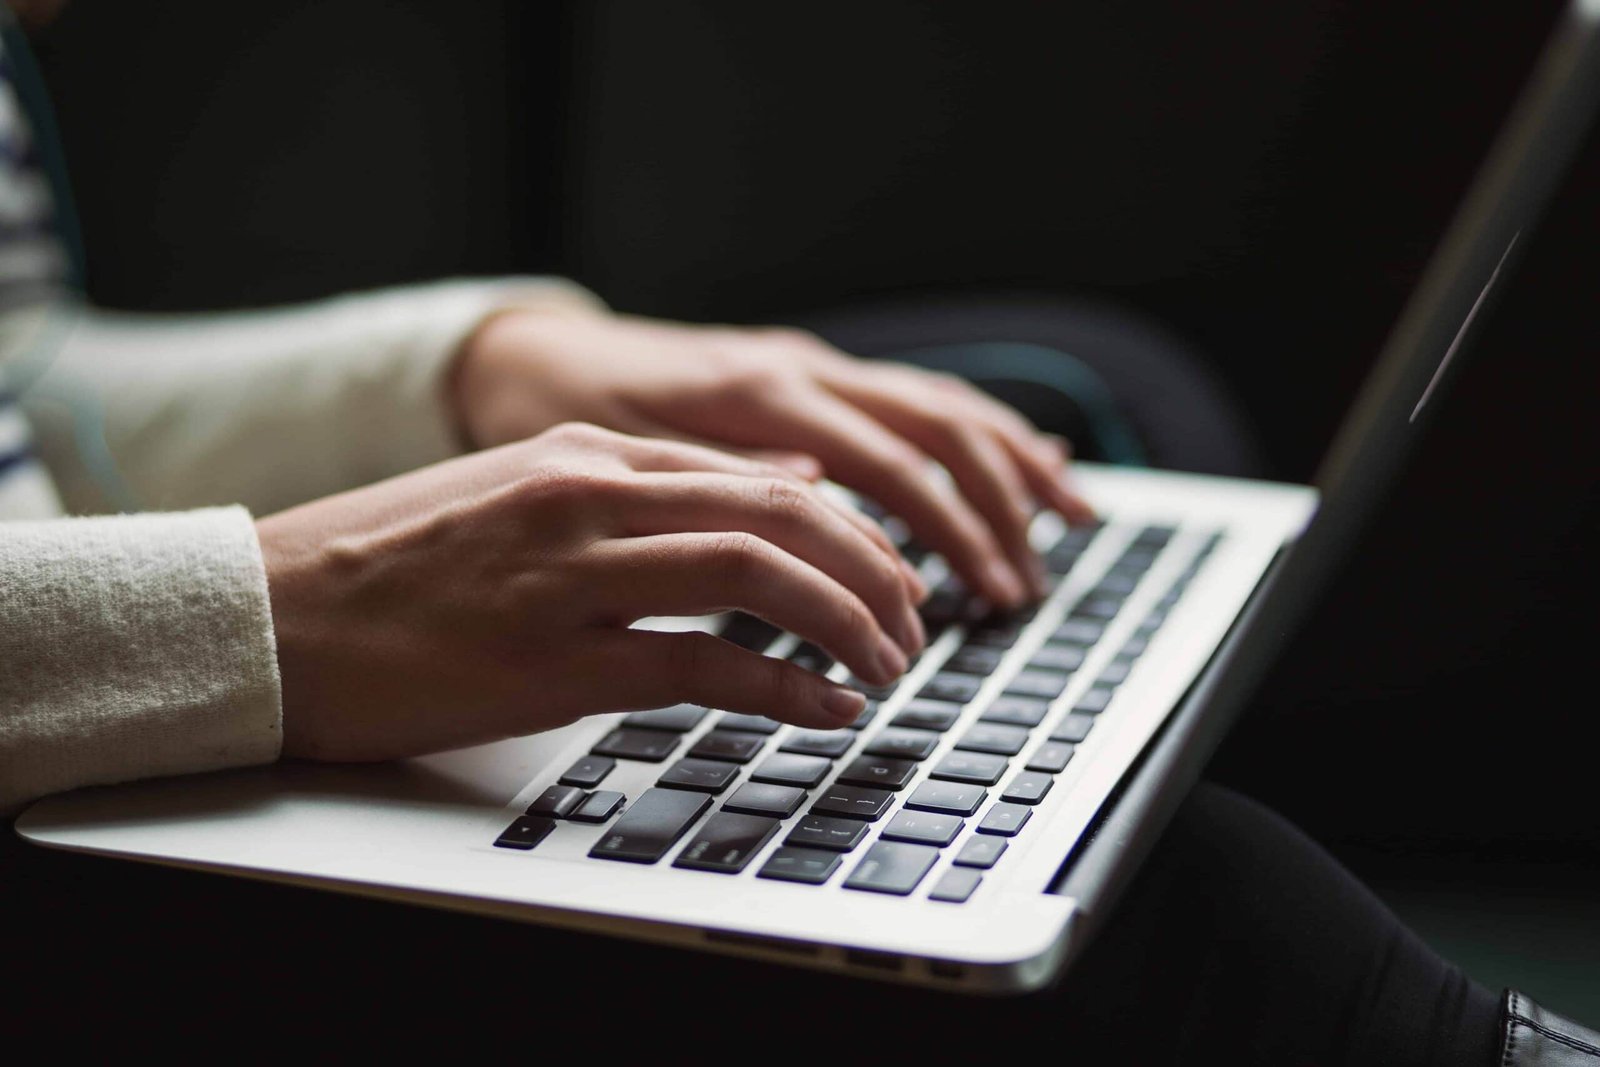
980, 851
598, 806
651, 826
900, 743
775, 801
1083, 632
994, 737
868, 713
809, 865
701, 775
1016, 710
811, 658
752, 724
974, 659
829, 743
1029, 787
651, 746
1005, 819
1117, 583
556, 802
997, 633
874, 692
1057, 656
821, 831
853, 802
589, 771
1094, 701
1137, 559
525, 833
922, 827
956, 885
949, 602
979, 768
878, 772
1098, 607
1046, 685
1073, 728
928, 715
954, 688
749, 632
892, 867
787, 768
728, 746
1151, 623
1154, 536
951, 798
727, 843
1051, 757
678, 719
1115, 673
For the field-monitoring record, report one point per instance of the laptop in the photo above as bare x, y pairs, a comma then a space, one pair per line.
977, 824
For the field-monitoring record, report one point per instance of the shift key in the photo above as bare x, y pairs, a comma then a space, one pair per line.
652, 826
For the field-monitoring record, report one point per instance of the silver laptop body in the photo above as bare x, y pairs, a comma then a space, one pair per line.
1174, 606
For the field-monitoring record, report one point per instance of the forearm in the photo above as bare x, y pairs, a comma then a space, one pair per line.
133, 646
268, 408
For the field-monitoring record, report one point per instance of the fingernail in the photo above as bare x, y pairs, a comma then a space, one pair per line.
1005, 582
892, 662
843, 704
913, 638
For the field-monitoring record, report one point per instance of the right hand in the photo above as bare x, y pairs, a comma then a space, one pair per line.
491, 596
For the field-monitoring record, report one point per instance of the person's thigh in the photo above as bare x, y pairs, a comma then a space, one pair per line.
1240, 937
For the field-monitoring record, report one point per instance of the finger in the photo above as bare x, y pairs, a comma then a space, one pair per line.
1042, 458
915, 586
803, 464
664, 454
861, 452
697, 668
796, 519
984, 471
703, 573
1047, 476
807, 467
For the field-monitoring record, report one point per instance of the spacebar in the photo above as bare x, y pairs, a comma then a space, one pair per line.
651, 826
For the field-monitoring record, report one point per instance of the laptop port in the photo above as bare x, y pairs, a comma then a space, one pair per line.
878, 961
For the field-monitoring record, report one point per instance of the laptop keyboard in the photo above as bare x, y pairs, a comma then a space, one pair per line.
885, 797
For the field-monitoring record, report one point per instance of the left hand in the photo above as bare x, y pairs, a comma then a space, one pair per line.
871, 426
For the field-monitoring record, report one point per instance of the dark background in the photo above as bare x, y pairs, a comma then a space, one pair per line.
1265, 182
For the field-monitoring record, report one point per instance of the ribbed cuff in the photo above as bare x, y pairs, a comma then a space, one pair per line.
133, 646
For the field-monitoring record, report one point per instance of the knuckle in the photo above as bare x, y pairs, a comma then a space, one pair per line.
854, 615
783, 499
754, 383
738, 555
567, 487
577, 434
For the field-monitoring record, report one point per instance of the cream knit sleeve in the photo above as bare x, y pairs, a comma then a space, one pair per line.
132, 646
266, 408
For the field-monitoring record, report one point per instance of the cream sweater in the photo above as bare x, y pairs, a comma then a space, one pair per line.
141, 644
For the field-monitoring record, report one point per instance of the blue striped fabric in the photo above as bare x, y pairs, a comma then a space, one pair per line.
33, 268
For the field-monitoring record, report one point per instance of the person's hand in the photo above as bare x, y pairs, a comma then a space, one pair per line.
491, 596
869, 425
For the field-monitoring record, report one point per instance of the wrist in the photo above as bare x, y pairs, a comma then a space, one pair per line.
505, 379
